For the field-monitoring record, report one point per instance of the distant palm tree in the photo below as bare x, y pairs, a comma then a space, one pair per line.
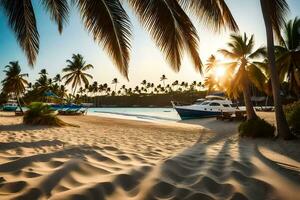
57, 78
274, 17
199, 84
175, 83
81, 91
76, 72
42, 84
115, 82
43, 72
109, 24
95, 88
144, 82
124, 89
163, 78
14, 82
240, 51
136, 89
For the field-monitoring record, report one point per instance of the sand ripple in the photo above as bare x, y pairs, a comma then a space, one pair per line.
137, 163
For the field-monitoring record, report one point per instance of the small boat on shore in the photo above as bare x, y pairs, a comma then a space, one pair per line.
211, 106
11, 105
69, 109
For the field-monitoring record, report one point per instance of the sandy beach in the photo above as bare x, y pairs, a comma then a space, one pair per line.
116, 159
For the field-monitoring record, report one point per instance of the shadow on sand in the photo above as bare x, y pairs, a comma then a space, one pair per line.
22, 127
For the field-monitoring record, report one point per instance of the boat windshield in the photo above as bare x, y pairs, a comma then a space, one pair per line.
205, 103
214, 104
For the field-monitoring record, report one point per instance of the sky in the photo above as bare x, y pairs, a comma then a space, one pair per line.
146, 62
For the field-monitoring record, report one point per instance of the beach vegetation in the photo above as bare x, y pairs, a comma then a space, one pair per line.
292, 112
256, 128
39, 113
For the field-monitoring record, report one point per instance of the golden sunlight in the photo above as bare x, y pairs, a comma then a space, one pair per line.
220, 72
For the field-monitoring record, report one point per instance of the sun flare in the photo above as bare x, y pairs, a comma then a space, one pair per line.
220, 72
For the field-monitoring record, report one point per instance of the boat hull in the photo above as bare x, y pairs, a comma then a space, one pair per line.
9, 108
194, 114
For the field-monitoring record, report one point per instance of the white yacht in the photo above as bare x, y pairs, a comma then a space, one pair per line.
211, 106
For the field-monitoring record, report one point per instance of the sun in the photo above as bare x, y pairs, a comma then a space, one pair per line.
220, 72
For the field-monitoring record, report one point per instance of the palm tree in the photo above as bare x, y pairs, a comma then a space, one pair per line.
109, 24
288, 55
42, 84
76, 72
240, 51
14, 82
273, 14
163, 78
175, 83
57, 78
115, 82
43, 72
144, 82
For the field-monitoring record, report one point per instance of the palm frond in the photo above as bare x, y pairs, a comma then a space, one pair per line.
171, 29
260, 52
277, 10
88, 66
59, 11
291, 34
87, 75
228, 53
21, 19
109, 24
256, 76
214, 13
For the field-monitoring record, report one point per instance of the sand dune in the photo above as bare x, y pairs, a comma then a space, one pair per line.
115, 159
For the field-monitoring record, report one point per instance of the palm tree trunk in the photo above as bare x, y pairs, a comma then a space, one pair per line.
74, 91
247, 96
282, 126
18, 100
249, 106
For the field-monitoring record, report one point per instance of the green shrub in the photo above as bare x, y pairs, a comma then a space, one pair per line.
41, 114
256, 128
292, 112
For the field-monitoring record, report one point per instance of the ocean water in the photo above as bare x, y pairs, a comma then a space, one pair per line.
168, 114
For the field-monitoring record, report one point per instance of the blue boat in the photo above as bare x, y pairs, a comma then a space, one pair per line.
11, 105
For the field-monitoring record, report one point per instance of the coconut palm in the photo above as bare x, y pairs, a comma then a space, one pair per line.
43, 72
288, 55
14, 82
274, 16
42, 84
115, 82
95, 88
57, 78
109, 24
76, 72
163, 78
144, 82
242, 54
